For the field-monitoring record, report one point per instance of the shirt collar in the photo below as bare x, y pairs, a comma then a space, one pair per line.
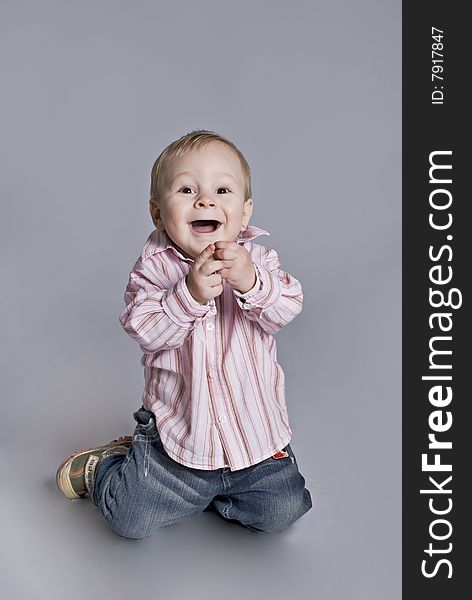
158, 241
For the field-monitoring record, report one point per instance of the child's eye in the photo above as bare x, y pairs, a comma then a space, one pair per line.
185, 188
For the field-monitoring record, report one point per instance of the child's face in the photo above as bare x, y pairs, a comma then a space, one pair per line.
205, 185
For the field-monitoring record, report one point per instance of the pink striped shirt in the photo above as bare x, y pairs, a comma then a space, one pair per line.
211, 373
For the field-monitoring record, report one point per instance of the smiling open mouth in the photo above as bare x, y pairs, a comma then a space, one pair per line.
205, 226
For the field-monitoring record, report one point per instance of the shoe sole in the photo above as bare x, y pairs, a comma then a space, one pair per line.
63, 472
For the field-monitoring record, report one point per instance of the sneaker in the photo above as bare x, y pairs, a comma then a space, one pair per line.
76, 474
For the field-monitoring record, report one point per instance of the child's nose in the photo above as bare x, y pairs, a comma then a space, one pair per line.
205, 200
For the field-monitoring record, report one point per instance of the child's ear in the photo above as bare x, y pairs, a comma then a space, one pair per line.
156, 213
247, 212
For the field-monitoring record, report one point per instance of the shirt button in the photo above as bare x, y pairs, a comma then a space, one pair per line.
210, 326
221, 418
210, 374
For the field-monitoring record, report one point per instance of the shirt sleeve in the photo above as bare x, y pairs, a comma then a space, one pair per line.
253, 290
277, 296
158, 315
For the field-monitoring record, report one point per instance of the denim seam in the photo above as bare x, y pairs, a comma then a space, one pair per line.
147, 451
228, 507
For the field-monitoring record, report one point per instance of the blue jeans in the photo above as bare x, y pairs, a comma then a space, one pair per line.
144, 490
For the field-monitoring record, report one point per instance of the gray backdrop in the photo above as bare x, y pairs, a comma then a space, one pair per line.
92, 92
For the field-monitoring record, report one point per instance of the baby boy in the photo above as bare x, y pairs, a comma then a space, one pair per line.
203, 302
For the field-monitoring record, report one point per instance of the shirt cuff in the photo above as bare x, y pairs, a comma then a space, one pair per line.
265, 294
253, 289
179, 304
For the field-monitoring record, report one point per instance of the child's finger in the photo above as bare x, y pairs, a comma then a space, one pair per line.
226, 253
212, 266
214, 280
205, 255
224, 273
225, 244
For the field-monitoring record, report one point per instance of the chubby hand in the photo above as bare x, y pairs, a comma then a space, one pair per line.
203, 280
237, 267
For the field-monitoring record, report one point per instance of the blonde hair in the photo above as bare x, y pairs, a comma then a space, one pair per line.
190, 141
